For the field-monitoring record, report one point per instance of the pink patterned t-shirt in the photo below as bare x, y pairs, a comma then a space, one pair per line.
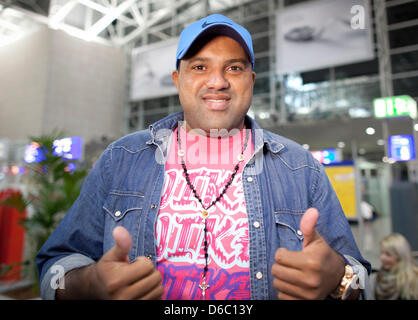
179, 229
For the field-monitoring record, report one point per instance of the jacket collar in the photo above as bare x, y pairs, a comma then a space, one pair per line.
160, 131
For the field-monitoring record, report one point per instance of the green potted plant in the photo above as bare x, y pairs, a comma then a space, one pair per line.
53, 185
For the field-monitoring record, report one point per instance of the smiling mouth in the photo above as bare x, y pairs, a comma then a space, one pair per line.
217, 103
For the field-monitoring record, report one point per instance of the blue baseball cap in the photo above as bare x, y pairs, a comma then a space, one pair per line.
215, 24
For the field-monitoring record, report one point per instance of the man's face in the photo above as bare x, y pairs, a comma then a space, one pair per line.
215, 86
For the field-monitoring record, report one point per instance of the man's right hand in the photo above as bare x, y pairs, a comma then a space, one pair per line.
113, 277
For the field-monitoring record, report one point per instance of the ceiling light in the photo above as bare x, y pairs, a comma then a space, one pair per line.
381, 142
388, 160
370, 131
341, 144
264, 115
343, 103
362, 151
416, 126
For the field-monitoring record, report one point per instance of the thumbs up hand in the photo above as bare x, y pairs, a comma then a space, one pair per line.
123, 243
307, 226
312, 273
113, 277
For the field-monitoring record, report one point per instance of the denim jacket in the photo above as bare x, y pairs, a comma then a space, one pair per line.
281, 181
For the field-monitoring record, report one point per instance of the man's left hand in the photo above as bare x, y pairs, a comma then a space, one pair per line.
312, 273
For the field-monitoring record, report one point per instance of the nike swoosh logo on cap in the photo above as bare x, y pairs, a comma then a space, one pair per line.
205, 23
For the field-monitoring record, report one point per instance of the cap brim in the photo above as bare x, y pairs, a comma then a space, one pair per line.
221, 30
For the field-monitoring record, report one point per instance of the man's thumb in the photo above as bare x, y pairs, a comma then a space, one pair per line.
307, 226
123, 243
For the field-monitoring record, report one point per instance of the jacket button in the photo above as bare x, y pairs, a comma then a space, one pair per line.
153, 206
117, 213
299, 233
250, 179
256, 224
259, 275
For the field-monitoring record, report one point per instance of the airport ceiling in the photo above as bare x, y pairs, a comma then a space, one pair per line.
116, 22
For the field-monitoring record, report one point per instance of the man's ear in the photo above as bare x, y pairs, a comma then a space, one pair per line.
175, 77
253, 77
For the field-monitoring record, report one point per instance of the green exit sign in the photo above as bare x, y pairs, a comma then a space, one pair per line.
399, 106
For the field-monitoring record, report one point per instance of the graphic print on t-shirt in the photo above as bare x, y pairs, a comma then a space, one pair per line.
180, 235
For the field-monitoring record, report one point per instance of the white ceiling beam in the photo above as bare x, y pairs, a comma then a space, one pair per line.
137, 15
60, 15
120, 30
113, 14
105, 3
161, 35
88, 18
81, 34
112, 31
156, 17
95, 6
128, 21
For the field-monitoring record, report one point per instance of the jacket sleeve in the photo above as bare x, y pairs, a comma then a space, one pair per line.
78, 239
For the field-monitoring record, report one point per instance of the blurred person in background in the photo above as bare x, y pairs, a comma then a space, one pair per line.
369, 215
397, 279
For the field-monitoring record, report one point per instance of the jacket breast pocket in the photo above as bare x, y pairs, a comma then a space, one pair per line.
123, 209
287, 225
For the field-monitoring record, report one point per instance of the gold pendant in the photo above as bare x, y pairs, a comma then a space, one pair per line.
205, 214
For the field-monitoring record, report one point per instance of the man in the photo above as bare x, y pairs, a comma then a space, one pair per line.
205, 204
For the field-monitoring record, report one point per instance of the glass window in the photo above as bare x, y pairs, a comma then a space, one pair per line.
150, 118
406, 86
404, 62
262, 65
158, 103
261, 44
291, 2
133, 122
357, 69
134, 107
315, 76
403, 37
257, 26
403, 12
261, 85
175, 100
255, 7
